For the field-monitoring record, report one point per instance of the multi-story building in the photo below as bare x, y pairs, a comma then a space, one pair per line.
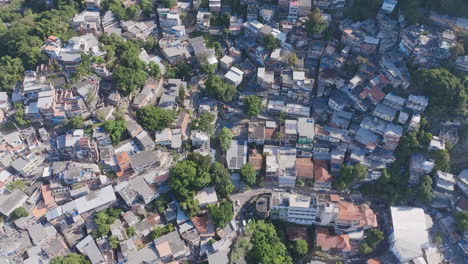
392, 136
294, 208
281, 165
417, 103
203, 20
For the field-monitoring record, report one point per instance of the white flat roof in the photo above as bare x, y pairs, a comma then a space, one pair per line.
409, 231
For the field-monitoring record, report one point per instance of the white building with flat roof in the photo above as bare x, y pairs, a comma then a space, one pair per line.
410, 233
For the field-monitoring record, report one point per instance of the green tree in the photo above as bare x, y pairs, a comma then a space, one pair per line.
154, 70
252, 105
221, 214
169, 3
448, 95
373, 237
221, 179
461, 219
146, 7
181, 93
116, 128
184, 71
360, 10
365, 249
292, 59
270, 42
205, 122
248, 174
438, 239
219, 89
19, 115
225, 137
315, 24
18, 213
113, 242
130, 231
153, 118
18, 184
11, 71
300, 248
424, 190
75, 122
441, 159
161, 231
83, 69
267, 246
72, 258
351, 174
103, 220
128, 79
209, 69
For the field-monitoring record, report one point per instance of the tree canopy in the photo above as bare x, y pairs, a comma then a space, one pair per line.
270, 42
248, 174
75, 122
11, 71
373, 237
72, 258
161, 231
300, 248
447, 94
221, 214
195, 173
461, 219
252, 105
204, 122
154, 118
315, 24
18, 213
351, 174
122, 13
225, 137
219, 89
128, 79
116, 128
360, 10
154, 70
103, 220
267, 247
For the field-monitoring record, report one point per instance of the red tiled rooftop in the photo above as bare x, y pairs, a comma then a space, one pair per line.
305, 167
327, 242
321, 171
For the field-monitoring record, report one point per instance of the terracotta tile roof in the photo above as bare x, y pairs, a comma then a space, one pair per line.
122, 158
256, 159
305, 167
297, 232
377, 94
351, 212
327, 242
164, 249
374, 261
335, 198
123, 161
270, 133
203, 224
321, 171
40, 210
47, 196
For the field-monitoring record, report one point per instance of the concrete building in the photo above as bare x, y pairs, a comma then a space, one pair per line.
410, 233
